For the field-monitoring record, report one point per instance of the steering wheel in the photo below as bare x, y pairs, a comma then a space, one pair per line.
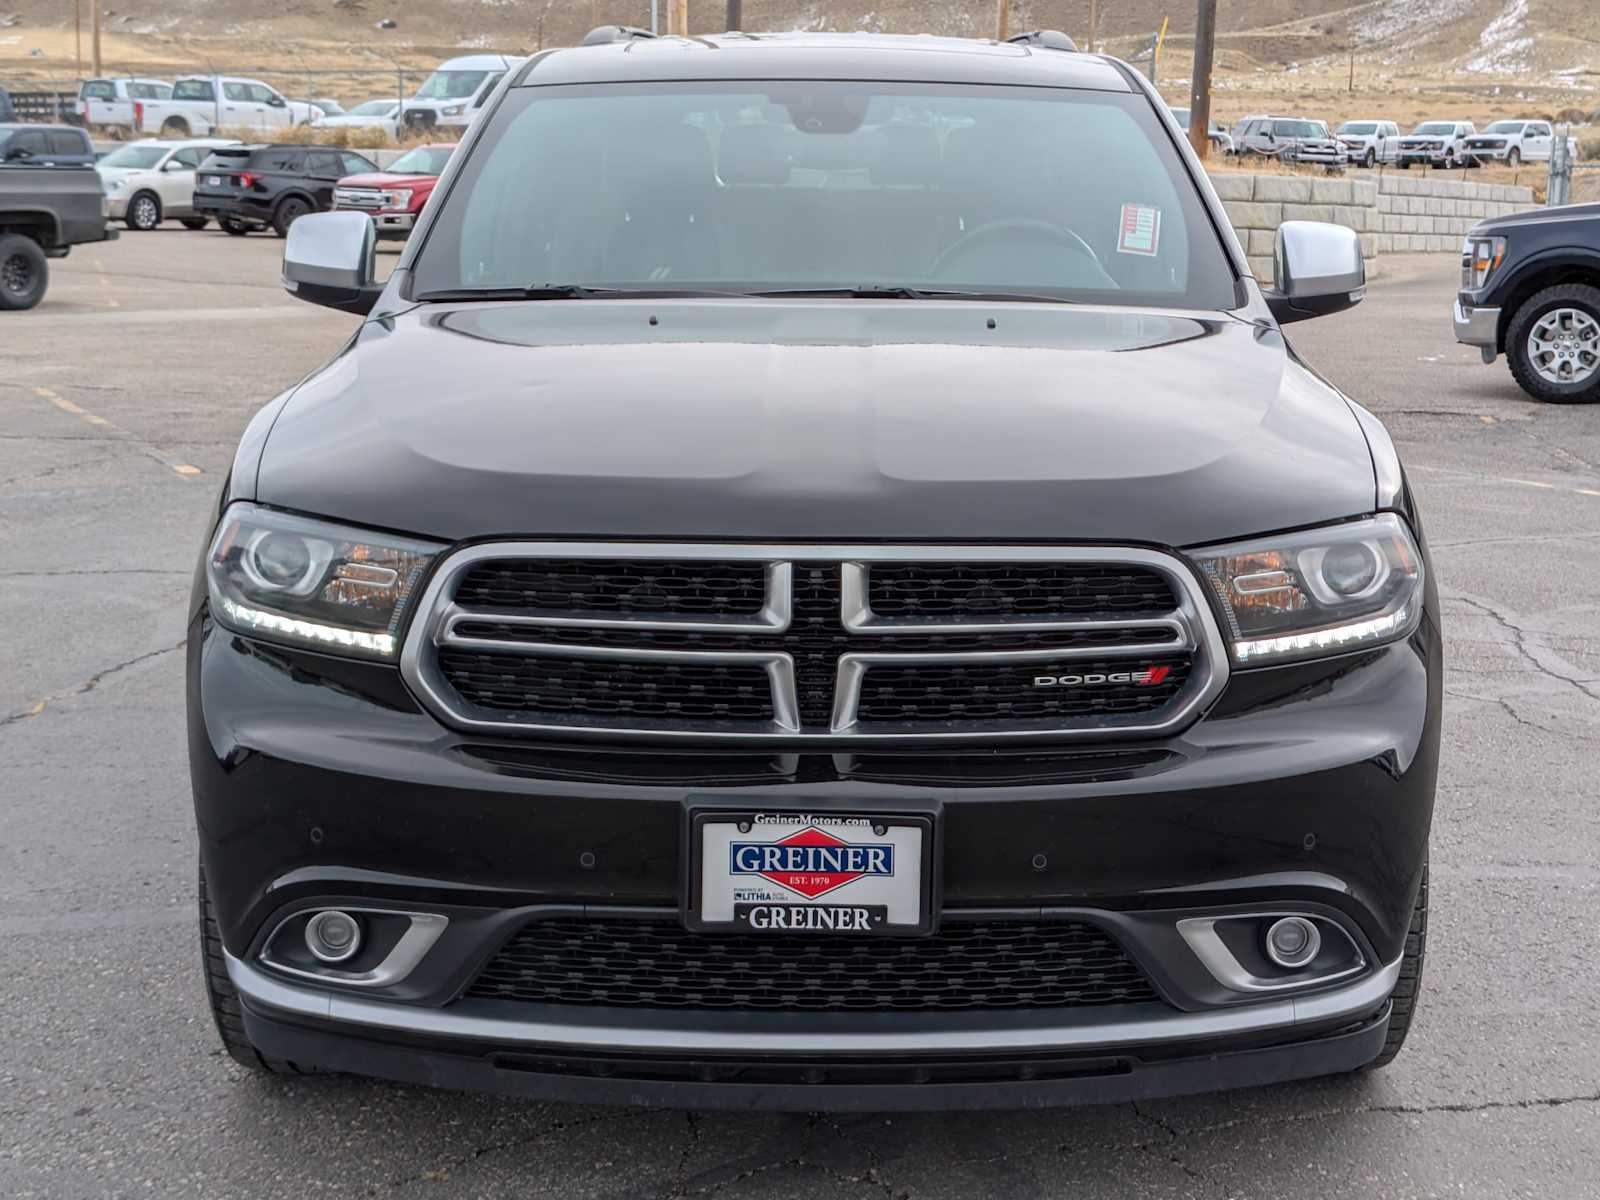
1009, 229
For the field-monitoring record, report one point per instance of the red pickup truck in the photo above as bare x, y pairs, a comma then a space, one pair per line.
396, 195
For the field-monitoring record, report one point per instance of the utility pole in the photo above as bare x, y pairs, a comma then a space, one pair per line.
77, 37
680, 17
1094, 21
1205, 46
1002, 20
735, 15
94, 34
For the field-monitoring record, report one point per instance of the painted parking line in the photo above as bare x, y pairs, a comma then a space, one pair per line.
1509, 480
176, 466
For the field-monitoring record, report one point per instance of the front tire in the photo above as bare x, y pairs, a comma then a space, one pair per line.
193, 223
24, 273
1514, 159
1408, 988
224, 1000
1370, 160
144, 212
289, 211
1553, 344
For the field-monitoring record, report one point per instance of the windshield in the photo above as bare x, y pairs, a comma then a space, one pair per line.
452, 85
424, 160
1359, 127
1435, 127
1299, 129
827, 186
373, 108
1506, 127
137, 157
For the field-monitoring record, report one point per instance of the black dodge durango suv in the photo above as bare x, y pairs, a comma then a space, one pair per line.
803, 592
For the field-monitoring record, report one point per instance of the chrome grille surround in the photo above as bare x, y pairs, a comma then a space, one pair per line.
1194, 632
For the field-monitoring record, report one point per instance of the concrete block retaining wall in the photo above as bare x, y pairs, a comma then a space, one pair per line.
1394, 213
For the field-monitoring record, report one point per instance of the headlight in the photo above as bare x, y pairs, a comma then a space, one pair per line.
1480, 257
291, 579
398, 198
1318, 592
454, 110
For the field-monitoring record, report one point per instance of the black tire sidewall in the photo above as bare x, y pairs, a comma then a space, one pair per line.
15, 244
289, 211
1566, 295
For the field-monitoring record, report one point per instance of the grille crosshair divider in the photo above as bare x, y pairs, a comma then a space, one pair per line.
1188, 627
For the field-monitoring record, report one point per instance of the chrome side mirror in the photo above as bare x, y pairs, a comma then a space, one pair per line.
327, 260
1316, 270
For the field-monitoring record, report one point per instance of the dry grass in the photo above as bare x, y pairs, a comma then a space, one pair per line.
342, 137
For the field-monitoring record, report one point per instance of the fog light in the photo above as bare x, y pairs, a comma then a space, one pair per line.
1292, 942
333, 936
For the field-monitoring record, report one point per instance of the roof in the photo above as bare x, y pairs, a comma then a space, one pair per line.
864, 56
479, 62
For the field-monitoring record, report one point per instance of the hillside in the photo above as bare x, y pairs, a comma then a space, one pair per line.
1443, 56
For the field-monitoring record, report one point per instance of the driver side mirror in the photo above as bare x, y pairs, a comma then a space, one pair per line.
1316, 270
327, 260
277, 102
19, 153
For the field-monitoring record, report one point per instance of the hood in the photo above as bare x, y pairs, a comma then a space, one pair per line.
113, 174
1583, 220
817, 420
388, 179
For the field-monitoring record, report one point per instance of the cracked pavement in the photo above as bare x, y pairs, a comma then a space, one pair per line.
112, 1083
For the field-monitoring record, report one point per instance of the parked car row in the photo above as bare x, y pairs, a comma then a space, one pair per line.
1367, 142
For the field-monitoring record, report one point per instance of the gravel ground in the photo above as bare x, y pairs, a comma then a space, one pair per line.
120, 402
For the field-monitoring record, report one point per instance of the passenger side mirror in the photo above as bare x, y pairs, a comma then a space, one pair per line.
327, 260
1316, 270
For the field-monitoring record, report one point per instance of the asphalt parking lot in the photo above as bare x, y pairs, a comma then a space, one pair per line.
121, 398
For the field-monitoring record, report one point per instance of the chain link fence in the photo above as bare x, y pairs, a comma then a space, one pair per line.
1574, 179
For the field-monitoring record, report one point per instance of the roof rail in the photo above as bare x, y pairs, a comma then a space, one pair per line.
1045, 39
602, 35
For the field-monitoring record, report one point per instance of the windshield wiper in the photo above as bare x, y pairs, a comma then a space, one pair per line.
895, 291
572, 291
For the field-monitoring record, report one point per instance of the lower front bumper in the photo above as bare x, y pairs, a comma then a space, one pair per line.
856, 1064
1478, 327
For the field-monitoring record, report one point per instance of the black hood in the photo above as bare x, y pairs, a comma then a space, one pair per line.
1584, 220
817, 420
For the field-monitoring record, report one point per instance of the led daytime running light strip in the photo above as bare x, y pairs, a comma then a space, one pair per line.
311, 631
1324, 639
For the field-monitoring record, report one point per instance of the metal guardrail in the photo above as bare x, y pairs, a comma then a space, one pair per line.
44, 107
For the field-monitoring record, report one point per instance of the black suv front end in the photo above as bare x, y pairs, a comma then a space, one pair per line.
740, 695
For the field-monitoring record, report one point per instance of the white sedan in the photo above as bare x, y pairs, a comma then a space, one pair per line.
148, 181
370, 114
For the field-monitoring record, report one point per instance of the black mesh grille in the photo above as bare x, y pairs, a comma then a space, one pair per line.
615, 587
1016, 591
1007, 691
518, 683
659, 964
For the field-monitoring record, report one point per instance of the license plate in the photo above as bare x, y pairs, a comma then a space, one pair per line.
815, 873
214, 180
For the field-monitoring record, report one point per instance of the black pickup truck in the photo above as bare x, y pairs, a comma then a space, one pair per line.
44, 212
1530, 289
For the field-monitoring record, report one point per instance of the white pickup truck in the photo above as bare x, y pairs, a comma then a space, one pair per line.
202, 104
1369, 143
108, 103
456, 91
1515, 142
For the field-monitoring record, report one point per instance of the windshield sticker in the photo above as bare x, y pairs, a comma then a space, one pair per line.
1141, 229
